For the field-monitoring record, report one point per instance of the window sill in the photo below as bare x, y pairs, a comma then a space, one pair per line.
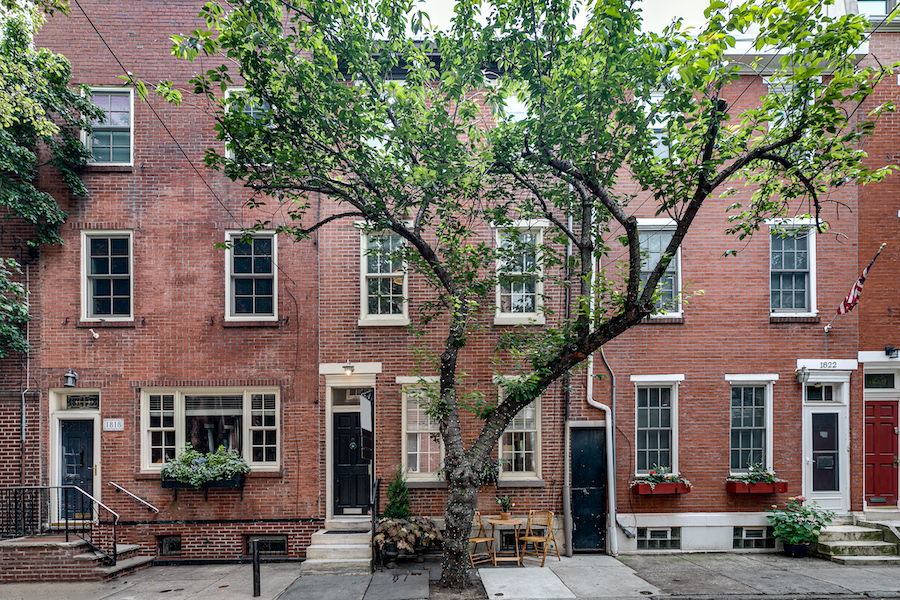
251, 323
424, 484
526, 319
664, 320
383, 322
775, 318
268, 474
522, 483
106, 324
101, 168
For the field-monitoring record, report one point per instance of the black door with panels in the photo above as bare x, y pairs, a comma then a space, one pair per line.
589, 489
77, 464
351, 470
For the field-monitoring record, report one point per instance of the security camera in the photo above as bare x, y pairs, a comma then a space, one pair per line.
95, 334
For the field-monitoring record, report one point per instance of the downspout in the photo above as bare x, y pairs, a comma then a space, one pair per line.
567, 459
611, 533
27, 374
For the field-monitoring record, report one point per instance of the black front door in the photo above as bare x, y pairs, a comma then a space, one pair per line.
77, 462
351, 471
589, 489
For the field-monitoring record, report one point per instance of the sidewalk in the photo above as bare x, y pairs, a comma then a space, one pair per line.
582, 577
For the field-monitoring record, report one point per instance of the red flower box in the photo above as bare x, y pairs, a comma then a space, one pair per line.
740, 487
661, 489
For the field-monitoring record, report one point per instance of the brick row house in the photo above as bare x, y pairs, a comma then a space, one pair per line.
277, 348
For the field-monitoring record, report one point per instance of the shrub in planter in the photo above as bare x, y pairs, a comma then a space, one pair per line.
799, 523
397, 498
198, 468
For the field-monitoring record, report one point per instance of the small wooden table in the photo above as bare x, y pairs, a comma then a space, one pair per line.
517, 524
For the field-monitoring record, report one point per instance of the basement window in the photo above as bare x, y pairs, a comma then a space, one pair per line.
659, 538
168, 545
748, 538
269, 545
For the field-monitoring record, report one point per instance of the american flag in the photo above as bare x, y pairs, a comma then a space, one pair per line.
850, 302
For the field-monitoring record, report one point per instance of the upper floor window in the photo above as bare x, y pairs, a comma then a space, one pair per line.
654, 241
657, 422
111, 140
876, 8
252, 277
792, 272
520, 444
520, 285
107, 281
383, 281
239, 99
422, 447
242, 419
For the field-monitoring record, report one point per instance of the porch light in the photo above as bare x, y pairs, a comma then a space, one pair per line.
70, 378
891, 352
348, 368
802, 375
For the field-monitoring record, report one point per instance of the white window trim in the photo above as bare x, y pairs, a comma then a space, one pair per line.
365, 319
86, 235
810, 226
532, 318
672, 381
230, 91
535, 475
766, 380
86, 139
415, 383
180, 438
839, 379
667, 225
230, 236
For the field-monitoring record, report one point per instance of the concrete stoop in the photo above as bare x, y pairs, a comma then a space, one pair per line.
344, 547
49, 559
858, 544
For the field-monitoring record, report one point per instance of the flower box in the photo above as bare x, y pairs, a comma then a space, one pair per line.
235, 481
741, 487
661, 489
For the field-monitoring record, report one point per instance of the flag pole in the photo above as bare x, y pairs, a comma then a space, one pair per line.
848, 303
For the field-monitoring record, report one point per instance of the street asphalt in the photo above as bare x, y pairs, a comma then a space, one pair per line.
584, 577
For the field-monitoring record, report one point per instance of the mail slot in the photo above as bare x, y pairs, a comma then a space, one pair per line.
825, 462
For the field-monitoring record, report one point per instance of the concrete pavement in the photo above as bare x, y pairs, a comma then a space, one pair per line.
582, 577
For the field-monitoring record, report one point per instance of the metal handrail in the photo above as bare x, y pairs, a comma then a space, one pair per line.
138, 498
374, 509
105, 507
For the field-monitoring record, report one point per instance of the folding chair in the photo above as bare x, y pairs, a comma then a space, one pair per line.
480, 537
539, 532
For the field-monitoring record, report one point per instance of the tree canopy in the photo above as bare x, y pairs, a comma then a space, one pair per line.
404, 126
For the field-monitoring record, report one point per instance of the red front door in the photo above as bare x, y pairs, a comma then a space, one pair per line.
881, 453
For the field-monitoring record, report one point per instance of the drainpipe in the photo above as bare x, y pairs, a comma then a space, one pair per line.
567, 459
27, 376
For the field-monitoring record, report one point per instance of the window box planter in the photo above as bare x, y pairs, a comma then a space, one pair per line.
661, 489
741, 487
233, 482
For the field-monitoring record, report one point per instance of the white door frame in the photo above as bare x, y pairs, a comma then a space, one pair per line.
838, 500
58, 413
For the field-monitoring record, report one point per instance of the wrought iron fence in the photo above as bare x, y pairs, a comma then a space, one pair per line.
29, 511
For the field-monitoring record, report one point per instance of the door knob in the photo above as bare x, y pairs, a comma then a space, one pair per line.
896, 462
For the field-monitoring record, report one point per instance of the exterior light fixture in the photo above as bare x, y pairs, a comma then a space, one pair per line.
891, 352
802, 375
70, 378
348, 368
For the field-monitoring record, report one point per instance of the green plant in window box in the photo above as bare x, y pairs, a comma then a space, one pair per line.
756, 473
199, 468
659, 474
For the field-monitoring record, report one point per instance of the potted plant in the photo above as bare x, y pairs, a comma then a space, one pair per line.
505, 504
660, 481
427, 535
757, 480
798, 524
397, 506
222, 468
392, 536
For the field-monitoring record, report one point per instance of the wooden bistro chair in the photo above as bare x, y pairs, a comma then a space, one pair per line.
480, 537
539, 532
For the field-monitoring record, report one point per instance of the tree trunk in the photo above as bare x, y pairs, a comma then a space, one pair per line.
463, 487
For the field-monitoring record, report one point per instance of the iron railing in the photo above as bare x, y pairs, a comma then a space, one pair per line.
119, 488
29, 511
374, 509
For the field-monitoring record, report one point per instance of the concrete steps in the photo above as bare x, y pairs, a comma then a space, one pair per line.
856, 544
344, 547
51, 559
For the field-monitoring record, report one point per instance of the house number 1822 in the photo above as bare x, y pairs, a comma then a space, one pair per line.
828, 364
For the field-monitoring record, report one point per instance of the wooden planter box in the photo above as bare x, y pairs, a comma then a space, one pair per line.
235, 482
739, 487
661, 489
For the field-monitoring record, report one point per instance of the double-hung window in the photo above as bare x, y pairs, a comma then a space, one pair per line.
238, 145
242, 419
751, 421
252, 278
383, 280
422, 447
520, 285
107, 281
792, 260
655, 235
111, 139
520, 455
656, 422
